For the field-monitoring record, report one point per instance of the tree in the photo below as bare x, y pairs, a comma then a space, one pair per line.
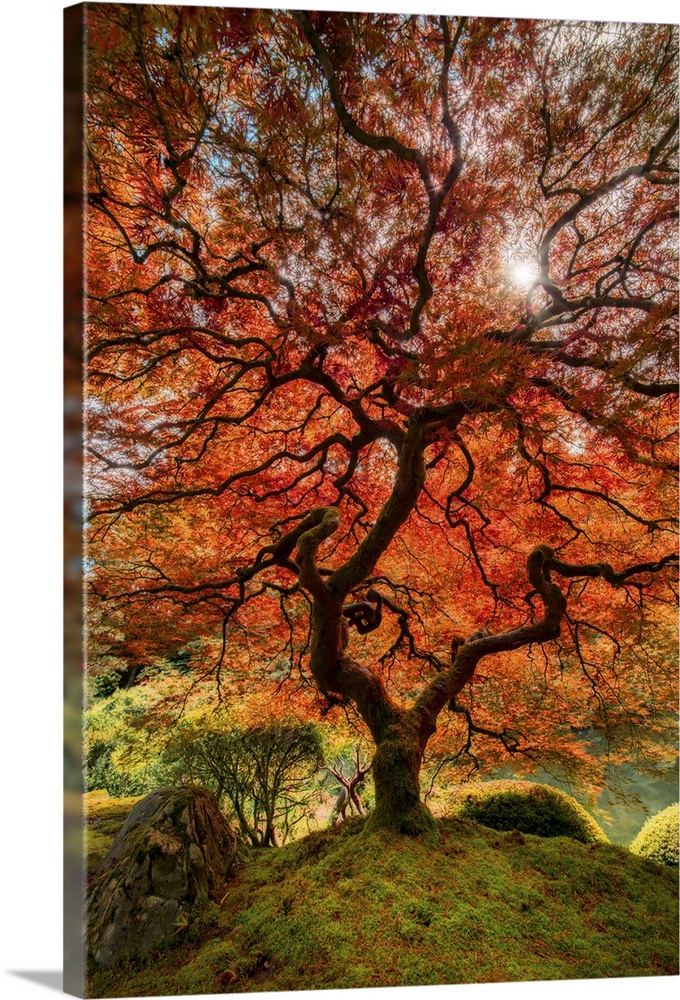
263, 771
348, 797
388, 302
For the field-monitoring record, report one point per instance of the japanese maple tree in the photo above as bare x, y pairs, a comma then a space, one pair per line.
382, 364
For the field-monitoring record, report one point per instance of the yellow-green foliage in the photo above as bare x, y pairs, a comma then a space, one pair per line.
349, 908
122, 754
527, 807
658, 838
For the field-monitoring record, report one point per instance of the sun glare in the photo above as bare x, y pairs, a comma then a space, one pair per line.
523, 272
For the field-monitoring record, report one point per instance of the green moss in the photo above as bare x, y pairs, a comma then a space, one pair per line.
396, 767
658, 838
529, 808
417, 821
97, 846
353, 908
104, 816
99, 806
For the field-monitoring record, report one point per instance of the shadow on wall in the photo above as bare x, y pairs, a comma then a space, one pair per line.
51, 980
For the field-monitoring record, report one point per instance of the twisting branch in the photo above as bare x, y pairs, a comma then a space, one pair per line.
540, 563
436, 192
348, 122
604, 570
325, 522
365, 616
348, 793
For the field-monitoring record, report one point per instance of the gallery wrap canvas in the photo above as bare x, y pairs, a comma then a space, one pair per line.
371, 537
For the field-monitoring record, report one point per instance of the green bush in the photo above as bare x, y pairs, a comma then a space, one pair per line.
104, 683
122, 755
658, 838
264, 771
527, 807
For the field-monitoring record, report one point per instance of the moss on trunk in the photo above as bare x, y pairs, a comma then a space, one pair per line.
396, 769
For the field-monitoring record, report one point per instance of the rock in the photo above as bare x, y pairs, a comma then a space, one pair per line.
172, 855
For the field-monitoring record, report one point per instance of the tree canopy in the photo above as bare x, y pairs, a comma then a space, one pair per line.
382, 312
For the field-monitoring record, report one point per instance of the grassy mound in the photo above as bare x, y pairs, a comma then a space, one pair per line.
104, 817
527, 807
658, 838
351, 908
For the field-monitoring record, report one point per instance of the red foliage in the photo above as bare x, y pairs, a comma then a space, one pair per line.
315, 243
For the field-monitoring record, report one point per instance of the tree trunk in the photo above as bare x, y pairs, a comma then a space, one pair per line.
396, 770
398, 733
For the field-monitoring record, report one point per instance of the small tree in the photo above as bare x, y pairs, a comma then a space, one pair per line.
348, 796
263, 771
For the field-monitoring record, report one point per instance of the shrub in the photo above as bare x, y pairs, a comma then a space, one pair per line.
527, 807
658, 838
121, 756
265, 772
104, 683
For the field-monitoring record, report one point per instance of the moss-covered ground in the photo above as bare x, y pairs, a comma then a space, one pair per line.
104, 817
347, 908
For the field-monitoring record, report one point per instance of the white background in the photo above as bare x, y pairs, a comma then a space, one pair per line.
30, 471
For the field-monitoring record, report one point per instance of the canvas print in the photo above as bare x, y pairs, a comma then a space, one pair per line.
380, 516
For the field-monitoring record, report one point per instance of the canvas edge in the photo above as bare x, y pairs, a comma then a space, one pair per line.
74, 844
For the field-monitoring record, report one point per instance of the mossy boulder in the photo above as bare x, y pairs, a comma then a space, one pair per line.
658, 838
528, 807
172, 855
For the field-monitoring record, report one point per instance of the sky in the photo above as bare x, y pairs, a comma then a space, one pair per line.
31, 494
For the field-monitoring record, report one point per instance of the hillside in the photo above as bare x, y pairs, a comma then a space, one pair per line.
342, 908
